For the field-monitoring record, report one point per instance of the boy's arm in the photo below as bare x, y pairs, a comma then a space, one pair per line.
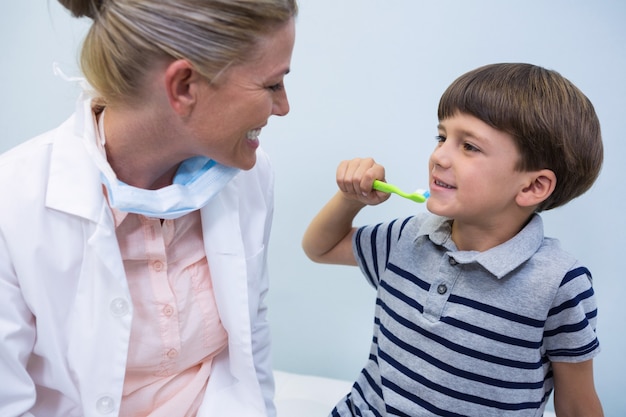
328, 239
574, 391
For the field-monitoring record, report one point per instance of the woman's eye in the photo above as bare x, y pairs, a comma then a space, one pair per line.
276, 87
440, 138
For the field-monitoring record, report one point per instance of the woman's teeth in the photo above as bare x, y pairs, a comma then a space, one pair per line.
253, 134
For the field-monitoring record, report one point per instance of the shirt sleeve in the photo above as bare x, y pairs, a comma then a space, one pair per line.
570, 330
372, 245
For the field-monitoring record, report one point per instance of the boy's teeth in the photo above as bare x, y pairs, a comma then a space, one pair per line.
441, 184
253, 134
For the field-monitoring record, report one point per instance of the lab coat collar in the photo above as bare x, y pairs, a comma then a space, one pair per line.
74, 184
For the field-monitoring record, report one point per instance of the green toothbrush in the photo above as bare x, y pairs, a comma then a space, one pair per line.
388, 188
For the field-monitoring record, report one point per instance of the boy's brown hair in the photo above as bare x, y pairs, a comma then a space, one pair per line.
553, 123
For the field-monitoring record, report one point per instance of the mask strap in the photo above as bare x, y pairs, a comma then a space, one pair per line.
101, 137
56, 69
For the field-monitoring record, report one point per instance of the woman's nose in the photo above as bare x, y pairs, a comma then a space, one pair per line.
281, 103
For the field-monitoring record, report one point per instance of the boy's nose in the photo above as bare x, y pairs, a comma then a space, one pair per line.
440, 156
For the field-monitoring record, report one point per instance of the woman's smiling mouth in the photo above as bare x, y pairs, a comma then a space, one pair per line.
253, 134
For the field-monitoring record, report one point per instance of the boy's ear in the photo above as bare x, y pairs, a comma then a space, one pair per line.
180, 85
540, 186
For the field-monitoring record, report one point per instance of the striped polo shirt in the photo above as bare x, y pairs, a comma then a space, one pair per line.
467, 333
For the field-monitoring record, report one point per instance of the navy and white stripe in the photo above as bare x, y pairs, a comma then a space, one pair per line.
467, 333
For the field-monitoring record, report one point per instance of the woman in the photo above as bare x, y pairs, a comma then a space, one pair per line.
133, 248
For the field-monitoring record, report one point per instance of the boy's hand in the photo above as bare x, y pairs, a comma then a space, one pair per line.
328, 239
356, 177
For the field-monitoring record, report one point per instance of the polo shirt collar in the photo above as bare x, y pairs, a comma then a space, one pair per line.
499, 260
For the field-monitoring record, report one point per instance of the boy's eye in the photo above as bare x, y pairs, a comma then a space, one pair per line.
440, 138
470, 147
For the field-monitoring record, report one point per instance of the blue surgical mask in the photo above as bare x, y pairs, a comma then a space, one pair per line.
196, 181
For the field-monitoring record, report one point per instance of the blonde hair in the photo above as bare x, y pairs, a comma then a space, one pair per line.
127, 36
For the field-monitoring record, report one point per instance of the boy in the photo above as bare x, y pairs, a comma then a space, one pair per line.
477, 313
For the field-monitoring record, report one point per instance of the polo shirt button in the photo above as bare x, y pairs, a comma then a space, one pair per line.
442, 289
105, 405
452, 261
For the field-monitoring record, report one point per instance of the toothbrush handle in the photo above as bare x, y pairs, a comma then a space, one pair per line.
384, 187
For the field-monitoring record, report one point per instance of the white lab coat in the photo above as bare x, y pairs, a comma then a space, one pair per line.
65, 307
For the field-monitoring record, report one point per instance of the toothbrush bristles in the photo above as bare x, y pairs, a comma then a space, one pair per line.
425, 193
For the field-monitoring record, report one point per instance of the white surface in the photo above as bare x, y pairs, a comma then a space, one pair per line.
307, 395
312, 396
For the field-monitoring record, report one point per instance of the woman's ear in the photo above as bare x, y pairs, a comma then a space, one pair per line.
180, 85
540, 186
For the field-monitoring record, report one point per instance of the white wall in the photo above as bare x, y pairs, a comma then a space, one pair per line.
366, 79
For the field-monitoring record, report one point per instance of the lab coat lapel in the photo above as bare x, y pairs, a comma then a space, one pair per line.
99, 330
225, 251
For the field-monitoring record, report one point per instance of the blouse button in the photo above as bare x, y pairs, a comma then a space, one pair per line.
168, 310
158, 266
119, 307
172, 353
105, 405
442, 289
452, 261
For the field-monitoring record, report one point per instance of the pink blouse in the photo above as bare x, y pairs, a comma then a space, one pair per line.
176, 330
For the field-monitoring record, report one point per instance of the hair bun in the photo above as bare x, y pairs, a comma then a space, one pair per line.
83, 8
